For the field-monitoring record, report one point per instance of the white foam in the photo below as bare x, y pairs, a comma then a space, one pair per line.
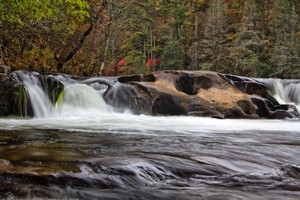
93, 121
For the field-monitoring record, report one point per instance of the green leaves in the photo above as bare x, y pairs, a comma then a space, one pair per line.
172, 56
28, 12
247, 37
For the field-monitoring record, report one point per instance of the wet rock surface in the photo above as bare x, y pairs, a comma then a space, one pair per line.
261, 96
8, 91
197, 93
13, 89
171, 93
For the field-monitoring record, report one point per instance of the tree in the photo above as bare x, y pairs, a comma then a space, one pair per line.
88, 37
286, 48
30, 28
172, 56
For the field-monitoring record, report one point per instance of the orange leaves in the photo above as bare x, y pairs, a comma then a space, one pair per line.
152, 64
119, 66
233, 11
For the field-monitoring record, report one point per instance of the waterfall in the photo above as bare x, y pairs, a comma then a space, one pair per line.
80, 97
38, 98
76, 98
285, 91
39, 95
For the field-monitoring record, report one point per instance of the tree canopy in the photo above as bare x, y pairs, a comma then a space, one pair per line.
258, 38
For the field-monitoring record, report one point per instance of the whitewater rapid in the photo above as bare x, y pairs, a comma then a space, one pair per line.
82, 108
284, 91
81, 148
93, 121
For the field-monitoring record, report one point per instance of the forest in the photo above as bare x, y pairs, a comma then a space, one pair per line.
257, 38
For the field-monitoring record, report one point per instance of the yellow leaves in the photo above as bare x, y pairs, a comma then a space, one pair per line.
28, 12
201, 2
77, 9
232, 37
158, 4
265, 42
233, 10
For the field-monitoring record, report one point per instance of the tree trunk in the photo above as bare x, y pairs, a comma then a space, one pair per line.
72, 53
105, 55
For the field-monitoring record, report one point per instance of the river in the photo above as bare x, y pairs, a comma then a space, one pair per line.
88, 151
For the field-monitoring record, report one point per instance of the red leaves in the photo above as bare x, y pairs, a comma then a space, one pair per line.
152, 64
118, 67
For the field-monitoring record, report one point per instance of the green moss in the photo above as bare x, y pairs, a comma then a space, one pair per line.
60, 99
22, 101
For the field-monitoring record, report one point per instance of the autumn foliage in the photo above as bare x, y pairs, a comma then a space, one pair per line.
258, 38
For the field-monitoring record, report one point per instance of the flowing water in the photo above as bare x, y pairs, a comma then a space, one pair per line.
285, 91
82, 149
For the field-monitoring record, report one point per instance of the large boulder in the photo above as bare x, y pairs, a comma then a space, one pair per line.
9, 87
197, 93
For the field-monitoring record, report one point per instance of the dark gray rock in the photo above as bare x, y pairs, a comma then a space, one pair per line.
4, 69
9, 87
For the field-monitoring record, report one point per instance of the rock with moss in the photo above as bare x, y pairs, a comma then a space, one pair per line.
14, 99
9, 88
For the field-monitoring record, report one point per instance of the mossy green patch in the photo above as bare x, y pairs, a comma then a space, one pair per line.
22, 101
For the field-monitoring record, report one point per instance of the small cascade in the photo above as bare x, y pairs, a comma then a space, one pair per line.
82, 97
40, 102
38, 96
285, 91
294, 92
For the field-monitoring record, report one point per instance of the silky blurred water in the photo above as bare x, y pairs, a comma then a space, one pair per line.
81, 148
90, 155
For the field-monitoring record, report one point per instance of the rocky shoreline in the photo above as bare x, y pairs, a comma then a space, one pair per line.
198, 93
171, 93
